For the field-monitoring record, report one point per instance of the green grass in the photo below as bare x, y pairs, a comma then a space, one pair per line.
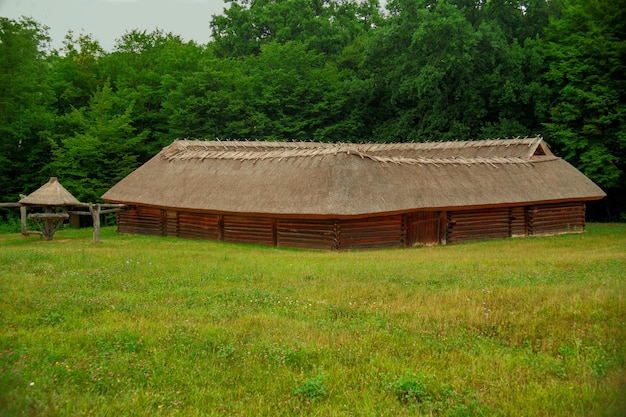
144, 326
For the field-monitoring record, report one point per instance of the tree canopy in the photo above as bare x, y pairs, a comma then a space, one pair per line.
323, 70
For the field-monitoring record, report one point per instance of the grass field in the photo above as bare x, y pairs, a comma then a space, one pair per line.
144, 326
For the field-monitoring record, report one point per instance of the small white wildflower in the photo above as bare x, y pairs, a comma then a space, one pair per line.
31, 383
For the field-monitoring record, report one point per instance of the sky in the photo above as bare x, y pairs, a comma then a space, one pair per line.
108, 20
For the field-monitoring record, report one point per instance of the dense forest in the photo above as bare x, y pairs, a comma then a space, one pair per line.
319, 70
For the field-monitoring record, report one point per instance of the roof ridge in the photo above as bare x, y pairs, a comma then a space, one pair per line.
257, 150
263, 145
493, 161
306, 153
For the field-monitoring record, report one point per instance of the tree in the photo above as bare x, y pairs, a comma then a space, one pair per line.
208, 103
442, 70
100, 151
286, 92
423, 65
297, 95
586, 57
26, 115
143, 69
76, 73
325, 26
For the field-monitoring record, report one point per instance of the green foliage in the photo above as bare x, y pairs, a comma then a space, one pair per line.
426, 395
143, 69
312, 389
205, 103
75, 76
443, 76
26, 113
585, 52
276, 95
9, 222
286, 100
411, 388
101, 150
324, 26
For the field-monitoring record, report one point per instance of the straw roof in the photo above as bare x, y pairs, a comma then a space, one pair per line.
51, 193
335, 180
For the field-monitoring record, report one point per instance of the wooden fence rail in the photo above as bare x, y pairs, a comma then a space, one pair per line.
92, 209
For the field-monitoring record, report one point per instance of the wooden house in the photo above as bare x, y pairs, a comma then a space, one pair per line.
343, 196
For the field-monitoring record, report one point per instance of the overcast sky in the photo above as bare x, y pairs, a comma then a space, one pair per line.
108, 20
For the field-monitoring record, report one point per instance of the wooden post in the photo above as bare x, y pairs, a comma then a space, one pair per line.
95, 215
220, 227
48, 229
23, 217
23, 220
443, 224
274, 233
336, 235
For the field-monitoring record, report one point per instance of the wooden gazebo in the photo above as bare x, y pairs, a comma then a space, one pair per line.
55, 200
57, 204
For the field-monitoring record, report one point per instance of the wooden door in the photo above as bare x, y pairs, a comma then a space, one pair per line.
424, 228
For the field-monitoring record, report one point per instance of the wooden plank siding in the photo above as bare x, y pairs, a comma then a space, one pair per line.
371, 232
469, 225
400, 230
253, 230
549, 219
198, 225
518, 222
140, 220
302, 233
169, 223
544, 219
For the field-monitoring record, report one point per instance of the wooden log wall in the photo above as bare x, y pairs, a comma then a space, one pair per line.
329, 234
549, 219
140, 220
198, 226
169, 223
253, 230
519, 223
417, 228
308, 234
372, 232
469, 225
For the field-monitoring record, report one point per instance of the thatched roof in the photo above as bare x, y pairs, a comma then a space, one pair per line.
317, 179
51, 193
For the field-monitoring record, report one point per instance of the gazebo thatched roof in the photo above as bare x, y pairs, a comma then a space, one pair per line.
348, 180
50, 194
